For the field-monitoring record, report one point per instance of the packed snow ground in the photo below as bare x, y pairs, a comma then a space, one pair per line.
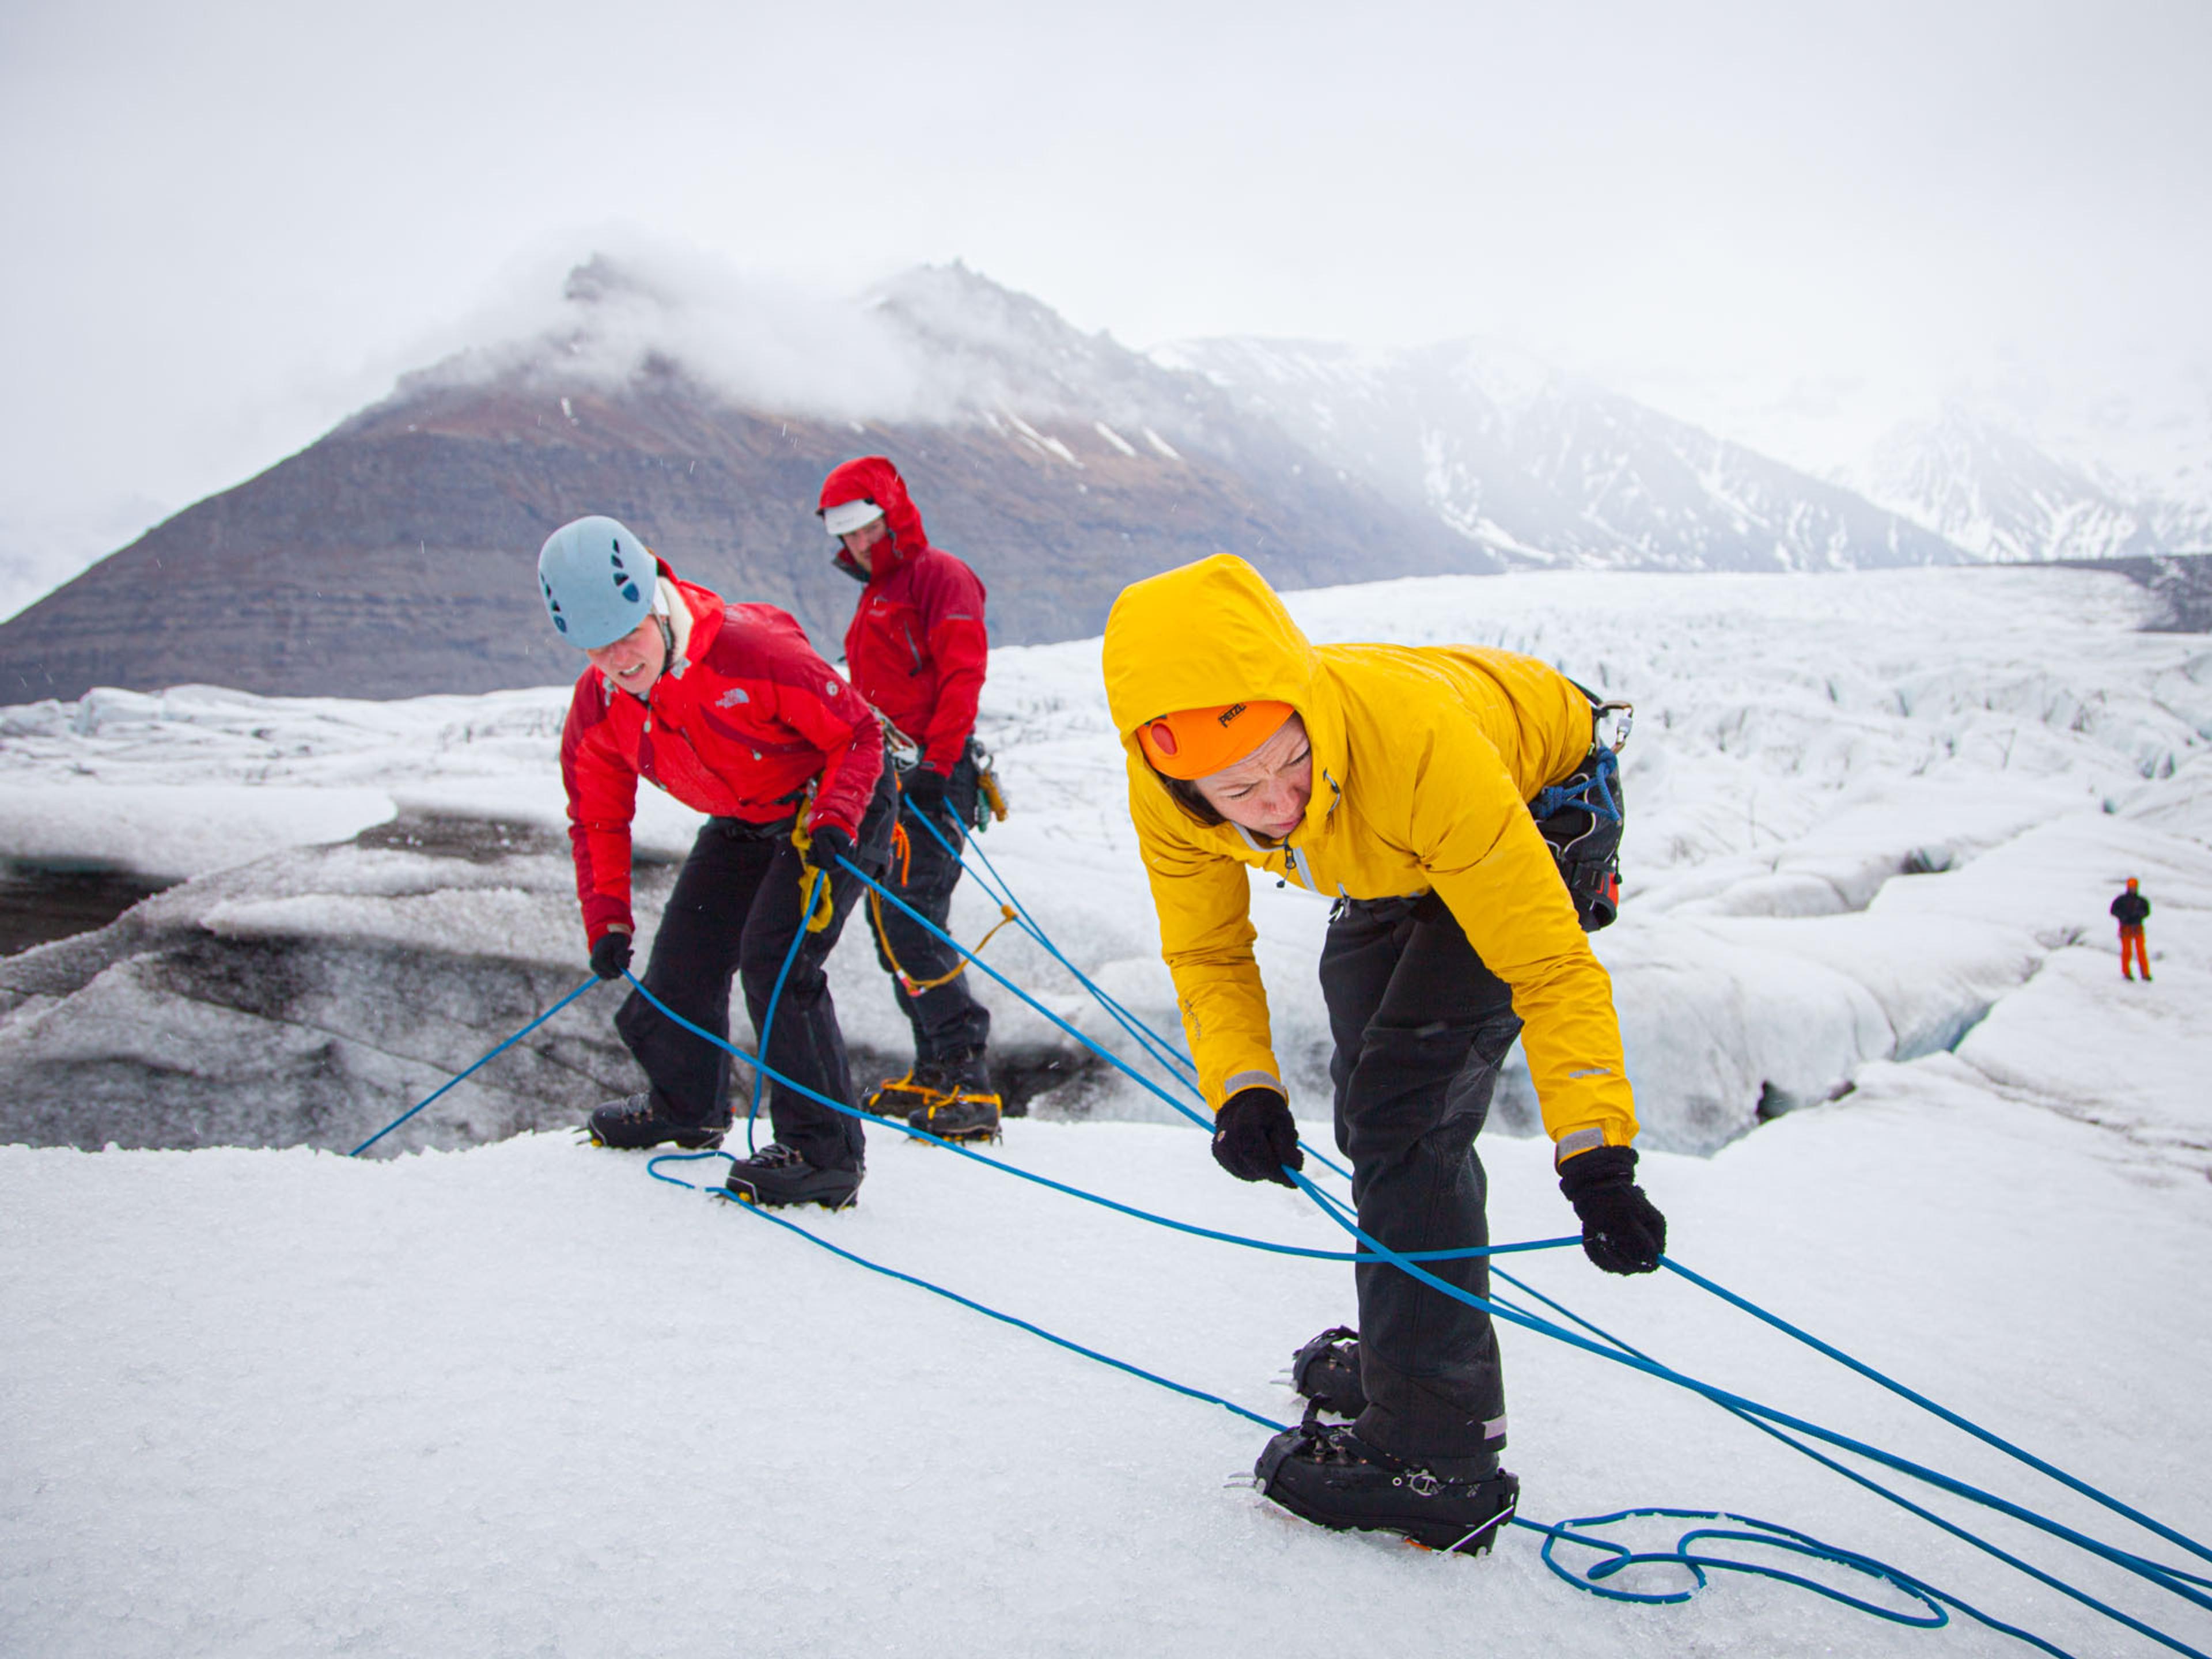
523, 1399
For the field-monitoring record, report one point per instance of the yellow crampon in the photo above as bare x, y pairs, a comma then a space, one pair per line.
904, 1098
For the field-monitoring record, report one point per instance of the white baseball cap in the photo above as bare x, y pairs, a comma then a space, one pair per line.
847, 516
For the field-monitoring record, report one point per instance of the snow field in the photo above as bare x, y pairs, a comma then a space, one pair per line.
525, 1399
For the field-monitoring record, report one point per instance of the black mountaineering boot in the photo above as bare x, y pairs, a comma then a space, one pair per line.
776, 1175
637, 1122
1327, 1372
957, 1100
1321, 1472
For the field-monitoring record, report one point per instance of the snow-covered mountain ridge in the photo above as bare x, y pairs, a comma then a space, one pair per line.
1979, 482
1545, 469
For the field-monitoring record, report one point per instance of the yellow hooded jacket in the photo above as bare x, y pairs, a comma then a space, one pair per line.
1424, 760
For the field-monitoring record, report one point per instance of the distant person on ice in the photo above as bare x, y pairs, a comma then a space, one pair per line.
916, 649
1397, 782
2131, 909
727, 707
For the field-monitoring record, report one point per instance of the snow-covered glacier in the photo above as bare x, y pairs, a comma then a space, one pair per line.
1866, 811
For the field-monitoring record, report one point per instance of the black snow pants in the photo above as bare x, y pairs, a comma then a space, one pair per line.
1421, 1027
735, 907
947, 1020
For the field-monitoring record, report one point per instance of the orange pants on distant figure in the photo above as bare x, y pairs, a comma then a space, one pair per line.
2131, 939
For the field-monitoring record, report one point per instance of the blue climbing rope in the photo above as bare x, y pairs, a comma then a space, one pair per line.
1178, 1064
2168, 1578
1688, 1553
1203, 1120
1616, 1558
482, 1061
2165, 1578
1061, 1186
1407, 1263
653, 1167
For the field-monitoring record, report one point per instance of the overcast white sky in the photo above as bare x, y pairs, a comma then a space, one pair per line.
230, 224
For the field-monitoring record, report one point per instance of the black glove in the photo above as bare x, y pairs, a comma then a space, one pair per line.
1623, 1231
1255, 1135
925, 791
830, 844
610, 954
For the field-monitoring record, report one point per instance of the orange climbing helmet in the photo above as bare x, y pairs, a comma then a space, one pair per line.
1194, 743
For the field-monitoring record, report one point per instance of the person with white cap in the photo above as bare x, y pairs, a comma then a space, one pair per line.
1398, 783
917, 649
727, 707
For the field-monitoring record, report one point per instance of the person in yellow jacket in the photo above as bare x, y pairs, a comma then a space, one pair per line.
1395, 781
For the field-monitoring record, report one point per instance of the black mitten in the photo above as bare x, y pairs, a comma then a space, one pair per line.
610, 954
1255, 1135
1623, 1231
830, 844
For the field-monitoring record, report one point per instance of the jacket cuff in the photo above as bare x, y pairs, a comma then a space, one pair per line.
603, 917
1571, 1145
1233, 1086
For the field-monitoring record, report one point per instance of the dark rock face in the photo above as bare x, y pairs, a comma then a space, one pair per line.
311, 997
2181, 581
175, 1027
396, 557
40, 903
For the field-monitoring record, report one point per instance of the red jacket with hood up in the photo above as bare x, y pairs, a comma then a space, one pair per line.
916, 649
737, 728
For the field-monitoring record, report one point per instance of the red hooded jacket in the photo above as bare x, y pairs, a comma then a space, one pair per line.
736, 729
917, 648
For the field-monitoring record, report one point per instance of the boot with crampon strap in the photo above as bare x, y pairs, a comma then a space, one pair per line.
951, 1098
1323, 1472
638, 1120
1327, 1372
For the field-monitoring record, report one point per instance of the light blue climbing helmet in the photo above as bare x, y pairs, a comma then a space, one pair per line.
598, 580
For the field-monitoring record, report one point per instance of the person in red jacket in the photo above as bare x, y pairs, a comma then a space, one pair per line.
916, 649
2131, 909
727, 707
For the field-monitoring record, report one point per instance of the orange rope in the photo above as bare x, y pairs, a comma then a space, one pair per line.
916, 987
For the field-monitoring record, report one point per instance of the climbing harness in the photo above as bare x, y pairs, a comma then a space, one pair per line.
1580, 819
